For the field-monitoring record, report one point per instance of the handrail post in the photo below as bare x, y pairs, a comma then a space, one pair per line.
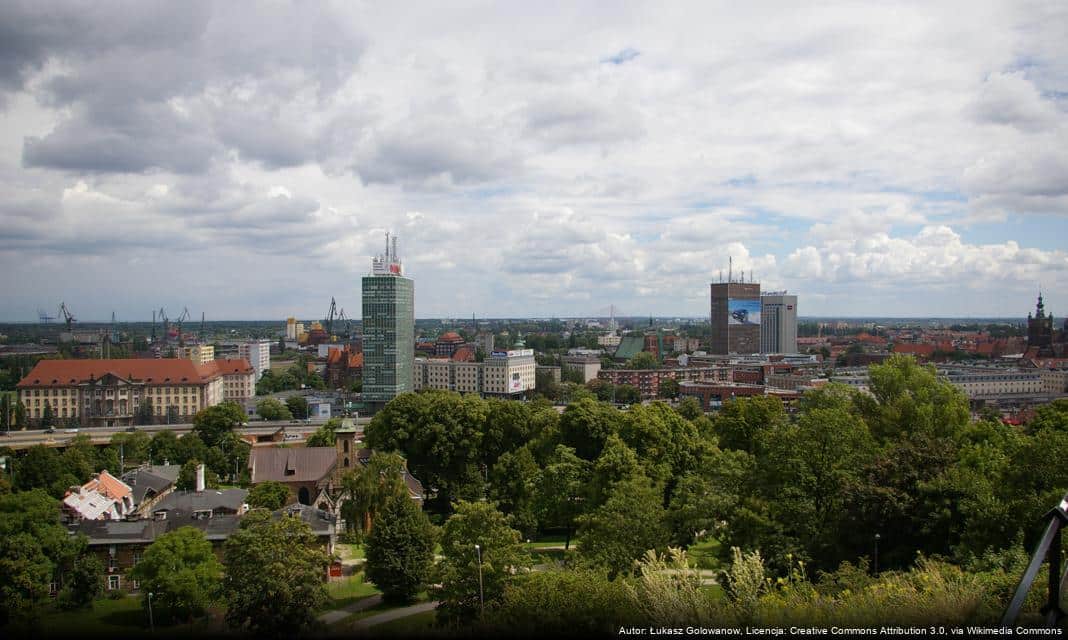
1052, 608
1047, 549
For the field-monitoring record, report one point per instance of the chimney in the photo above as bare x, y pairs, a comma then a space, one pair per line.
200, 478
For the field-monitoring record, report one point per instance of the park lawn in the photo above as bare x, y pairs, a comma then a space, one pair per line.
420, 624
350, 551
345, 592
116, 618
705, 554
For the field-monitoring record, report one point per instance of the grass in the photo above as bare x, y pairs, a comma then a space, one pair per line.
705, 554
345, 592
116, 618
419, 624
350, 551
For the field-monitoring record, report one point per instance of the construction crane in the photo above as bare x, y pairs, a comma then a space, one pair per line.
43, 316
341, 317
68, 317
182, 318
166, 324
202, 326
330, 315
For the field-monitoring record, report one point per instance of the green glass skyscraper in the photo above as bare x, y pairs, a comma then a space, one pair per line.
388, 328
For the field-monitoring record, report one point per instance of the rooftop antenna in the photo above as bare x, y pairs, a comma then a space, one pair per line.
393, 257
730, 268
387, 245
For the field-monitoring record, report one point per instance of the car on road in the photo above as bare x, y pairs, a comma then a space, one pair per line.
70, 431
50, 430
131, 428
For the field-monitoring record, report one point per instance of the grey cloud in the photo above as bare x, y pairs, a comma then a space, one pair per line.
149, 86
437, 150
565, 119
1010, 99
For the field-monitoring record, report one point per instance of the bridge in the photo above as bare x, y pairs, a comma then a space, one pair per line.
266, 433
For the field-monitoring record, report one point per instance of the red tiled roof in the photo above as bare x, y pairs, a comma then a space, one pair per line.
915, 349
57, 373
464, 354
356, 360
228, 366
108, 486
450, 336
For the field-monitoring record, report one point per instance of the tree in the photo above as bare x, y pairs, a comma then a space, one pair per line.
499, 554
324, 436
907, 397
181, 572
619, 532
628, 394
281, 345
271, 409
82, 584
34, 550
690, 408
561, 492
48, 417
669, 388
39, 468
297, 406
163, 447
586, 424
270, 495
145, 413
275, 575
1050, 416
187, 477
214, 423
370, 487
135, 445
513, 485
741, 420
5, 411
400, 549
440, 434
643, 360
20, 415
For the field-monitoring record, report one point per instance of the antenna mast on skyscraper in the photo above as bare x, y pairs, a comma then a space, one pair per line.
730, 268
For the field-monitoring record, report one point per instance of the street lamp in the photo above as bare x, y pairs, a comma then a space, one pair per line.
876, 567
151, 622
481, 597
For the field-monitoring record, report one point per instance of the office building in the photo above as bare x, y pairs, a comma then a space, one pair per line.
198, 353
504, 374
778, 322
388, 328
258, 354
735, 317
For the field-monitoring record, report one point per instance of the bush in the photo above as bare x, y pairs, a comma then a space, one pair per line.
563, 603
117, 594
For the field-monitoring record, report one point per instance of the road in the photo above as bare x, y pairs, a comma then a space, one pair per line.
103, 435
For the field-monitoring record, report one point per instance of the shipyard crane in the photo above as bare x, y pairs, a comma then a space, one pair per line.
330, 315
68, 317
181, 319
166, 324
341, 317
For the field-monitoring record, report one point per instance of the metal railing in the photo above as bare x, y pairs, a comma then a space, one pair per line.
1048, 550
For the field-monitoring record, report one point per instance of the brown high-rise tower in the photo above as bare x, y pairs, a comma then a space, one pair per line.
735, 316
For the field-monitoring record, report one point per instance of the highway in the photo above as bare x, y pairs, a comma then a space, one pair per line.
102, 435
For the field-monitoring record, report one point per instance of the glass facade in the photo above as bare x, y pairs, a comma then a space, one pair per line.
388, 336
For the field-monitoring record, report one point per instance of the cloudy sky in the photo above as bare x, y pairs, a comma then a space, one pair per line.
245, 160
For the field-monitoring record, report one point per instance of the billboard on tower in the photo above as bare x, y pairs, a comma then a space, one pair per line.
743, 311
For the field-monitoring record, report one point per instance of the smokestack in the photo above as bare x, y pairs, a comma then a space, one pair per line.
200, 478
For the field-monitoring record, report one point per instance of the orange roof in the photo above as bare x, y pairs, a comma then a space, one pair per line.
450, 336
333, 356
916, 349
59, 373
355, 360
464, 354
228, 366
108, 486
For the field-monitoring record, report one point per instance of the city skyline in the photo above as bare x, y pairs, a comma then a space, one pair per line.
534, 162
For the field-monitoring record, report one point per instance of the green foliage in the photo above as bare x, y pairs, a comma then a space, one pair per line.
690, 408
669, 389
187, 477
34, 548
740, 422
400, 549
562, 491
500, 551
1052, 416
163, 447
585, 426
369, 488
297, 406
513, 486
214, 423
563, 604
181, 571
909, 398
275, 575
82, 583
629, 523
145, 413
643, 360
271, 409
135, 446
270, 495
324, 436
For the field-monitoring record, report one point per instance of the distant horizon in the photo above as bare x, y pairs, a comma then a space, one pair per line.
460, 319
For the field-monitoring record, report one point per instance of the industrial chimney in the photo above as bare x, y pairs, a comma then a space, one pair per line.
200, 478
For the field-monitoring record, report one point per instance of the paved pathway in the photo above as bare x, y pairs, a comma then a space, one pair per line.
330, 617
393, 614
